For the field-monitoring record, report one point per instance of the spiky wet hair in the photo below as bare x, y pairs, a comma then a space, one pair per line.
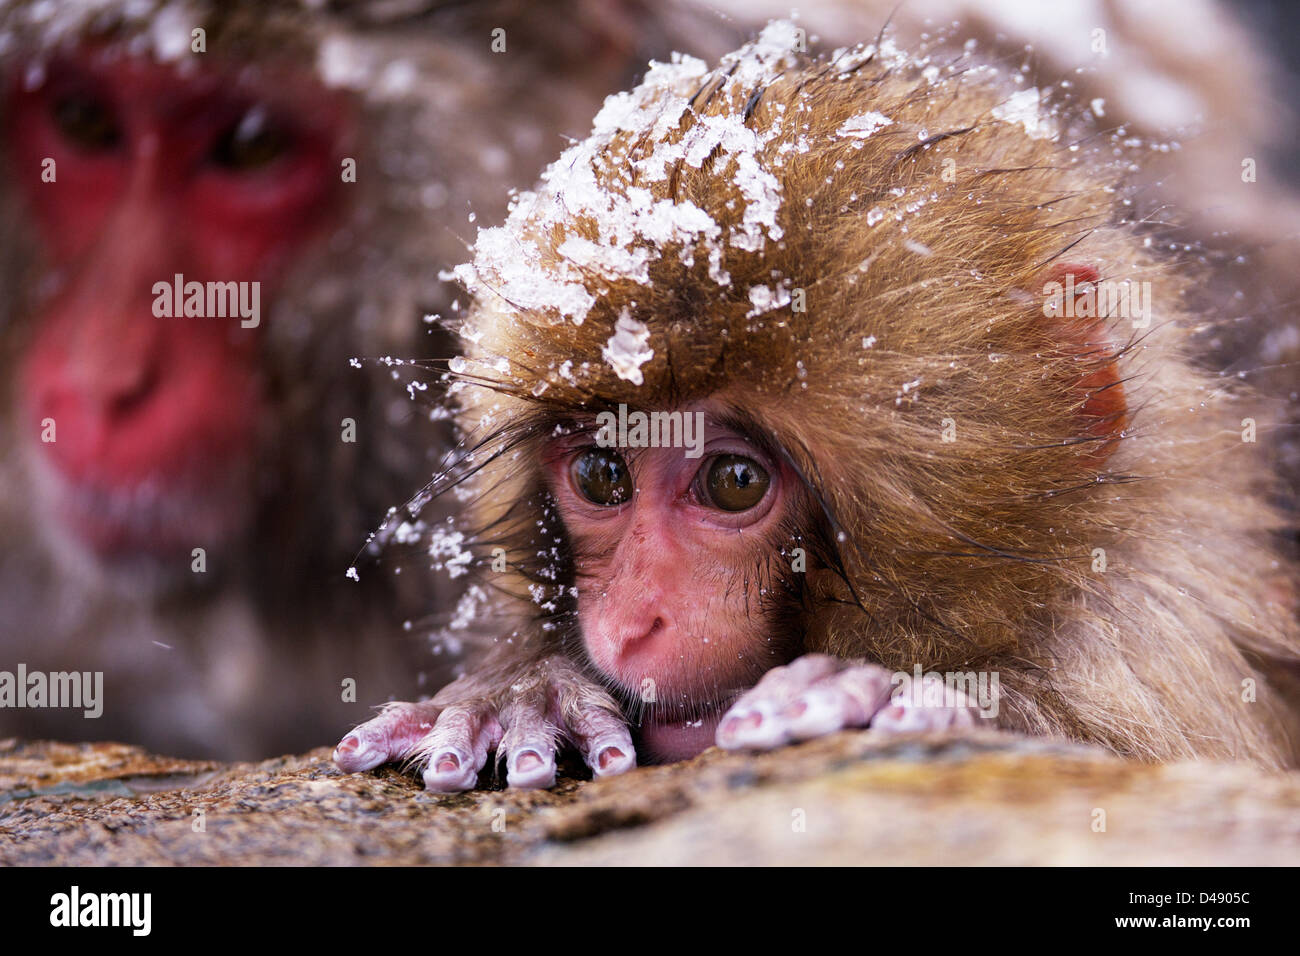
848, 254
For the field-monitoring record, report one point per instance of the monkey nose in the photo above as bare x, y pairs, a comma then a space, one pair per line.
655, 627
634, 640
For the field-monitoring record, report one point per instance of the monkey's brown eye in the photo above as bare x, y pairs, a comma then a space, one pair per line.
734, 483
603, 477
255, 141
86, 122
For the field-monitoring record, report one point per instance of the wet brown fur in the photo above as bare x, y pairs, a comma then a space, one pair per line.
974, 554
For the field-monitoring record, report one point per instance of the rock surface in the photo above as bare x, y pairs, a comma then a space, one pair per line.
848, 799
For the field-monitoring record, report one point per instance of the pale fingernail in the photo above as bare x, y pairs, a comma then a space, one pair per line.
528, 760
447, 763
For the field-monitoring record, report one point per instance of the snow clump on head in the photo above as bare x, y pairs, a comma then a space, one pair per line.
597, 184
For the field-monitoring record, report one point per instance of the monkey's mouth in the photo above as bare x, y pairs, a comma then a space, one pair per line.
666, 733
683, 721
158, 520
144, 520
668, 740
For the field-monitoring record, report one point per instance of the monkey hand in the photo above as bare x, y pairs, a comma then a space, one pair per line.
522, 714
818, 694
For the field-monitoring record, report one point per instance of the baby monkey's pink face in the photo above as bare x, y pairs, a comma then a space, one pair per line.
676, 550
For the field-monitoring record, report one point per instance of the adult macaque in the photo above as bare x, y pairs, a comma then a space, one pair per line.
949, 426
209, 209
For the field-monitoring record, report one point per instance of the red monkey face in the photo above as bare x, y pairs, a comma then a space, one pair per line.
676, 550
144, 428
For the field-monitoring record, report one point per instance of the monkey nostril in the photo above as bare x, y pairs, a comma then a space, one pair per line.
625, 639
130, 391
655, 627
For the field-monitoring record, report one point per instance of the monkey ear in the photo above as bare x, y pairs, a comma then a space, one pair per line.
1071, 305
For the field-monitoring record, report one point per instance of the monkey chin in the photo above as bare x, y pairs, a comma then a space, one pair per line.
690, 700
137, 539
666, 732
667, 741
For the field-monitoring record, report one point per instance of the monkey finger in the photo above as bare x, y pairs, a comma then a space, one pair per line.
801, 673
908, 714
458, 746
529, 745
752, 725
847, 699
604, 739
393, 735
755, 722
